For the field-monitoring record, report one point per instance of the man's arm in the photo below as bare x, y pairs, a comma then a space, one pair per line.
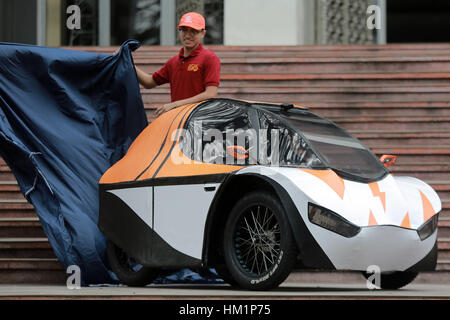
145, 79
210, 92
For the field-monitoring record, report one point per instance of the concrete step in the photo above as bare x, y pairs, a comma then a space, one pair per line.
29, 264
415, 49
364, 108
360, 107
21, 228
387, 123
303, 94
425, 172
147, 52
6, 174
317, 64
10, 190
26, 248
445, 213
433, 151
15, 209
31, 270
443, 189
339, 277
375, 84
375, 108
443, 253
404, 138
375, 80
444, 234
38, 271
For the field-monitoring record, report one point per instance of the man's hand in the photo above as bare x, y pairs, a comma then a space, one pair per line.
210, 92
164, 108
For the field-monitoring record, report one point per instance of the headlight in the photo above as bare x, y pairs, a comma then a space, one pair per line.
331, 221
427, 229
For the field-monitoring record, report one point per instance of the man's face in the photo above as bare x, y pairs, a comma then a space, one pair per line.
190, 37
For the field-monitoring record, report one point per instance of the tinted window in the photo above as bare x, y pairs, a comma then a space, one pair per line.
283, 145
339, 149
221, 132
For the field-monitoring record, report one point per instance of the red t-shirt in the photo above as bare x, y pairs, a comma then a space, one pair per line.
189, 76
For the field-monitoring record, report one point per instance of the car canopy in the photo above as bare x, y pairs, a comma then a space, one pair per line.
337, 148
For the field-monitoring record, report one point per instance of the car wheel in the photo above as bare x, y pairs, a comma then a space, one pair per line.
259, 249
225, 275
394, 280
127, 269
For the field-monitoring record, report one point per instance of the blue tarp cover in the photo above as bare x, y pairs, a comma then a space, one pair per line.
66, 117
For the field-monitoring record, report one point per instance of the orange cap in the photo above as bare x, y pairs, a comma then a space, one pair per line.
193, 20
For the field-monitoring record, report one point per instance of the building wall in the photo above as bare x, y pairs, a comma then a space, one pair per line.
245, 22
18, 21
268, 22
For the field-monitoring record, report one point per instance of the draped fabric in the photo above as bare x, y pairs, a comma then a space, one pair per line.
67, 116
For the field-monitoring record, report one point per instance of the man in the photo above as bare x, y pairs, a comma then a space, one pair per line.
193, 74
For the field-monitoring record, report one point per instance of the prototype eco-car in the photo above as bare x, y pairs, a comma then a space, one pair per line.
256, 189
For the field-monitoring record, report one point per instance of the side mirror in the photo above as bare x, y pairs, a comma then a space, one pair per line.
388, 160
238, 152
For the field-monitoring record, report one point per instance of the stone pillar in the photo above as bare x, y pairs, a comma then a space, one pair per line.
54, 23
306, 23
104, 22
344, 22
167, 32
41, 22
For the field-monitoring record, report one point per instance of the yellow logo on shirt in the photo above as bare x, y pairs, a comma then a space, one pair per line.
193, 67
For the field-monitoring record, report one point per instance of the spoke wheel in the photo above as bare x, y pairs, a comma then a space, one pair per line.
258, 245
257, 240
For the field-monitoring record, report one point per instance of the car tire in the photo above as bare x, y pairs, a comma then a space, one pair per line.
394, 280
130, 273
225, 275
258, 245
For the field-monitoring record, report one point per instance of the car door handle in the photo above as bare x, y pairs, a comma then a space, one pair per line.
209, 188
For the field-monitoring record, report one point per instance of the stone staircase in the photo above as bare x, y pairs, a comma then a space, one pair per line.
395, 98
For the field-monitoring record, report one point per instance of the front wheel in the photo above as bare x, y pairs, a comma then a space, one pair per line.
259, 249
127, 269
394, 280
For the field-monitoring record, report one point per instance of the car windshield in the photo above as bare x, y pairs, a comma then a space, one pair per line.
339, 150
282, 145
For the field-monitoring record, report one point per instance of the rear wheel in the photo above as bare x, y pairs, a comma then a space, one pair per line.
127, 269
259, 249
225, 275
394, 280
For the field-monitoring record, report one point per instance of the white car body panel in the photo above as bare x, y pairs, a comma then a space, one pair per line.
139, 200
180, 216
385, 243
